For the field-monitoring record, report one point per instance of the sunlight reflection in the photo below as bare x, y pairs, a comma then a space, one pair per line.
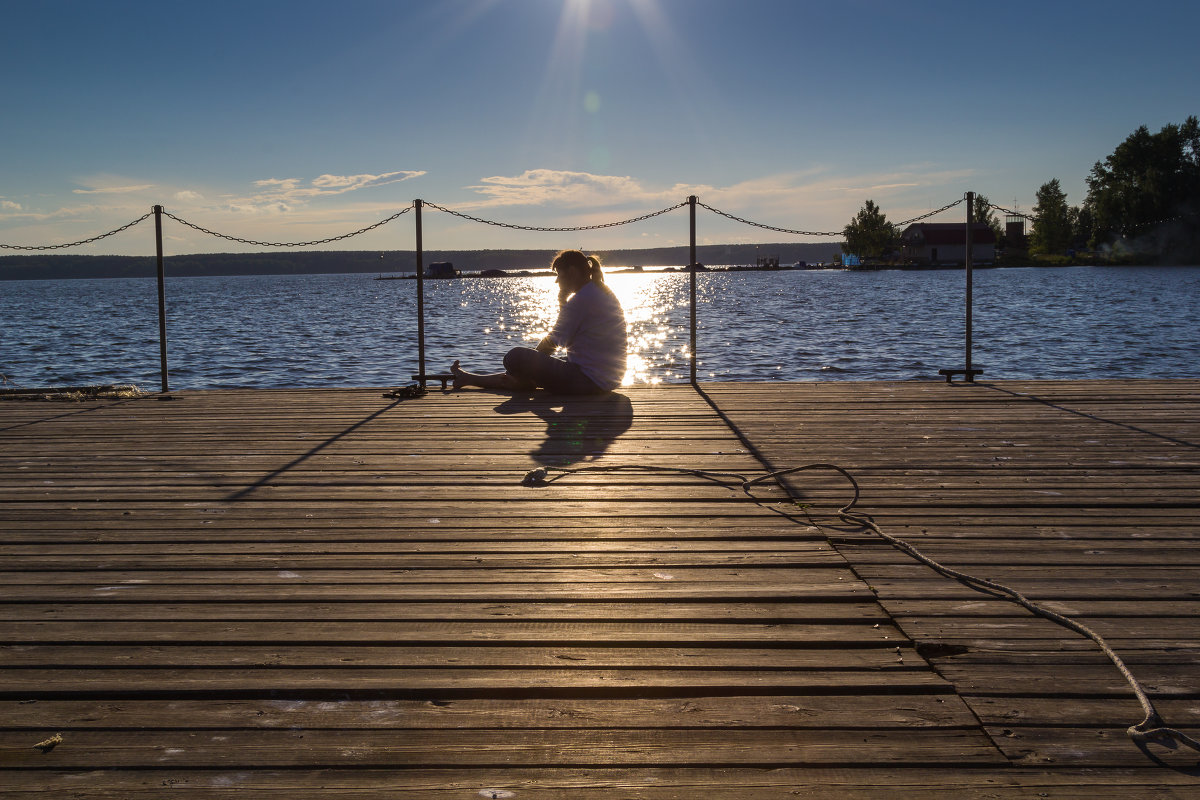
644, 309
657, 348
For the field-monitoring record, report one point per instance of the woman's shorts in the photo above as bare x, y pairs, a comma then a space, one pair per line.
547, 372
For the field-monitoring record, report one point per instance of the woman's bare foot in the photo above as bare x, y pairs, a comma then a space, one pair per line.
500, 381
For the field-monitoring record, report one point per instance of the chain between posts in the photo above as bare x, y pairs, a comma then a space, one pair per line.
1139, 226
452, 212
822, 233
196, 227
935, 212
1012, 213
142, 218
554, 230
766, 227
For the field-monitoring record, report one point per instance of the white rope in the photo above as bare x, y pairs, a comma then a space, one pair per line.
1151, 728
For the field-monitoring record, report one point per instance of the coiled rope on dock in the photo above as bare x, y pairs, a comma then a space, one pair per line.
73, 394
1151, 728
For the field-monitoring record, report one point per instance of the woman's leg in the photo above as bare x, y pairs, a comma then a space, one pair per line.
550, 373
496, 380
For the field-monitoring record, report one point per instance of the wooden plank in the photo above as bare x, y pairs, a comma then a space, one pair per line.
780, 576
433, 683
364, 749
675, 634
843, 656
815, 712
847, 610
632, 782
481, 591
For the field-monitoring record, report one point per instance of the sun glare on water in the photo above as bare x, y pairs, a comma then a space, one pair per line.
532, 307
646, 300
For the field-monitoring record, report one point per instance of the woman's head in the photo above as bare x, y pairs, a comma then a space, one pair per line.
574, 269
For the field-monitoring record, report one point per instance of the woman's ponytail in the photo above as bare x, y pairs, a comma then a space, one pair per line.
595, 273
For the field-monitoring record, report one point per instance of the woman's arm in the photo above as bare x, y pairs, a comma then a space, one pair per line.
546, 345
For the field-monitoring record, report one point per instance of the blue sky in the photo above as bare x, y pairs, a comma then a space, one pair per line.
299, 120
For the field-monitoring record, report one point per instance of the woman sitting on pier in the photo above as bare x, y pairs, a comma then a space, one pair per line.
590, 327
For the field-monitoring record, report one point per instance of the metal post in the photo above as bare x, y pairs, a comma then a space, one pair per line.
969, 377
968, 372
162, 299
420, 296
692, 270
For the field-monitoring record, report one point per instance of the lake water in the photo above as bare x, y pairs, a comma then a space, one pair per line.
352, 330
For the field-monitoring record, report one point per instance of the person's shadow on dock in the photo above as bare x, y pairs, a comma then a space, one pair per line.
577, 428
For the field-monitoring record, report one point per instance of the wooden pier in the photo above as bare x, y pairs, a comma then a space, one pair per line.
329, 593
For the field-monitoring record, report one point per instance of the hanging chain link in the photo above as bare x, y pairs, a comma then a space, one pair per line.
823, 233
1135, 227
554, 230
196, 227
946, 207
513, 226
1012, 213
766, 227
142, 218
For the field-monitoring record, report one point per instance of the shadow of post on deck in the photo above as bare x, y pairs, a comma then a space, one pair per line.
241, 494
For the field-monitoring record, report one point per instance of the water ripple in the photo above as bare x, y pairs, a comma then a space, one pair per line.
349, 330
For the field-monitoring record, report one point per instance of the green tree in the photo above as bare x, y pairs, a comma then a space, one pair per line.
1082, 227
1051, 232
1148, 190
869, 234
982, 211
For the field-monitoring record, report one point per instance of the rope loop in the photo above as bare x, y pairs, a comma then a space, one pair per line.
1150, 729
196, 227
553, 230
142, 218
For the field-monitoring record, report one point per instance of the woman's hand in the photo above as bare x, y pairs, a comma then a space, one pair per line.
546, 345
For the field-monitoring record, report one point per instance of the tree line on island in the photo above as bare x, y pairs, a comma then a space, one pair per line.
1142, 206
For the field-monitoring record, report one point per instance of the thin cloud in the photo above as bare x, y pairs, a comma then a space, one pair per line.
115, 189
878, 187
9, 205
816, 199
71, 212
282, 195
538, 187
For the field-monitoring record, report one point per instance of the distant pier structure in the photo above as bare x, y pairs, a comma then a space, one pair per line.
1014, 231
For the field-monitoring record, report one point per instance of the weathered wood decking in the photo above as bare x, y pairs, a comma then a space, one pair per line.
328, 593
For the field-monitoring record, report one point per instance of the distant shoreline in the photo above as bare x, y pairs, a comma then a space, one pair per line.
395, 262
398, 265
655, 270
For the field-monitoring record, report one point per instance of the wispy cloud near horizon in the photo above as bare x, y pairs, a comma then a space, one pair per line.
115, 189
281, 195
537, 187
817, 197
